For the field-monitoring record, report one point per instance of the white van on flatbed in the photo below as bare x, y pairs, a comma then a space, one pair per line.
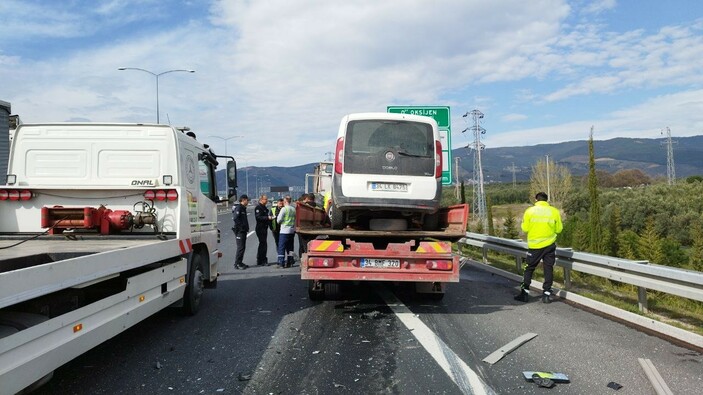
387, 170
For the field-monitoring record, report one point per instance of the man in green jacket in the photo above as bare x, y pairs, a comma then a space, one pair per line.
541, 223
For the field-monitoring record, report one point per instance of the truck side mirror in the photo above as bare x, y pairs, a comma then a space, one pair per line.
231, 179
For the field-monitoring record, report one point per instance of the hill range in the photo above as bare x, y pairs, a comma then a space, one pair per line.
648, 155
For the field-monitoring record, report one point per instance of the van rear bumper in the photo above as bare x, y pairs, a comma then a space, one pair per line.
349, 203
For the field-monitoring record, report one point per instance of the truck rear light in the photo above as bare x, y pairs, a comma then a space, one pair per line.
161, 194
339, 156
440, 265
172, 195
321, 262
15, 194
438, 159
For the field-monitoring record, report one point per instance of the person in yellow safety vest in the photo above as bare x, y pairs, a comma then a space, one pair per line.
275, 228
541, 223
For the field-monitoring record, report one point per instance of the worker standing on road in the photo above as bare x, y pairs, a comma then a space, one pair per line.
263, 220
286, 220
241, 229
275, 228
541, 223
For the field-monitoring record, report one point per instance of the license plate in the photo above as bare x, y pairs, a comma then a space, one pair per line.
389, 186
381, 263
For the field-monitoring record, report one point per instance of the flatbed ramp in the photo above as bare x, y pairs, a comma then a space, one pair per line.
23, 273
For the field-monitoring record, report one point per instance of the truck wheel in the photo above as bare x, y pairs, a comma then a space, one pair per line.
194, 287
336, 218
315, 294
431, 222
333, 290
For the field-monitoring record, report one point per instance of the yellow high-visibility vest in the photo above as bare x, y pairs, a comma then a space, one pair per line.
542, 223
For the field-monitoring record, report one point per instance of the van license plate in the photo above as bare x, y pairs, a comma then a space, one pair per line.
387, 186
382, 263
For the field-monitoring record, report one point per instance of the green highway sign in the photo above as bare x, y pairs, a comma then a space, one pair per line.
442, 116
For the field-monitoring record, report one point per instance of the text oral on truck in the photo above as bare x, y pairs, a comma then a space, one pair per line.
102, 226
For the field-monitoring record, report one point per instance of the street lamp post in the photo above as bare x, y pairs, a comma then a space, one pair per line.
157, 82
225, 139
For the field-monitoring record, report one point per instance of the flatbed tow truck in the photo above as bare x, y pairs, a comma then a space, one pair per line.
416, 256
102, 225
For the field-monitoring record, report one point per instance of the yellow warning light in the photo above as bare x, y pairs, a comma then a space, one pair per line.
141, 298
77, 328
183, 280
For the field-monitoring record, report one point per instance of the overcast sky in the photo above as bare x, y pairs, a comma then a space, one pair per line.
282, 73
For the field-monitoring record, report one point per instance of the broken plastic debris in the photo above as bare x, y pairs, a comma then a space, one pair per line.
366, 341
157, 365
243, 377
315, 352
339, 385
542, 382
614, 385
220, 390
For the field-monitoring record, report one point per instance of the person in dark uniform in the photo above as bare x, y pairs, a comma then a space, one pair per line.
263, 221
241, 229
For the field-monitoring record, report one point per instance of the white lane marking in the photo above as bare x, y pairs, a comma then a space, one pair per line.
251, 233
465, 378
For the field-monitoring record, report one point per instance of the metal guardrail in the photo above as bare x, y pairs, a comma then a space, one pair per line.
643, 274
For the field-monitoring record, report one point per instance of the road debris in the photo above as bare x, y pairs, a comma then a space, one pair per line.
315, 352
243, 377
508, 348
157, 365
614, 385
339, 385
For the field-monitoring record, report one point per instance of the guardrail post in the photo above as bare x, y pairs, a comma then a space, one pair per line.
567, 278
484, 252
642, 299
642, 294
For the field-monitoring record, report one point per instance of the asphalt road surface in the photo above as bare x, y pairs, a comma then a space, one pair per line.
258, 333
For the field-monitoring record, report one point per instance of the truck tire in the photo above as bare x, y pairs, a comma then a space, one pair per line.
194, 286
333, 290
315, 295
336, 218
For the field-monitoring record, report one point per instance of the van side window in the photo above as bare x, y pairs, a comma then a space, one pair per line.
207, 179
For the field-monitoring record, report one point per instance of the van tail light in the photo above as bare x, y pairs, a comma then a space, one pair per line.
16, 194
339, 156
161, 195
438, 159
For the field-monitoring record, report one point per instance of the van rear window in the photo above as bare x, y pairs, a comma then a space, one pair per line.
389, 147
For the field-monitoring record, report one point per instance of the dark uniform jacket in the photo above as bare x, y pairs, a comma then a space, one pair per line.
241, 224
261, 213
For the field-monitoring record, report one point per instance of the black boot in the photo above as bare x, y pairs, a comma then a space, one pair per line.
522, 296
546, 296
